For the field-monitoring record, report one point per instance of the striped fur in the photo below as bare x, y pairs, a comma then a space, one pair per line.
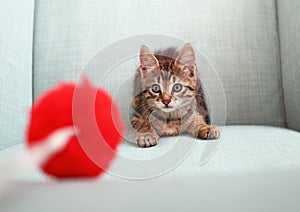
169, 99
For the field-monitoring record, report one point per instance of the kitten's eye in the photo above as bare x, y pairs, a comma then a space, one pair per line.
156, 88
177, 87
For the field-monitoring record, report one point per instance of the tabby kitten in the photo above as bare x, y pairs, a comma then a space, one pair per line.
168, 97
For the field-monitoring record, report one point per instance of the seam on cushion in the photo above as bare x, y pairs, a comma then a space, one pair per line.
279, 62
32, 51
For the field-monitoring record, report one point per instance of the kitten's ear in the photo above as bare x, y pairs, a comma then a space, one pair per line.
186, 56
147, 58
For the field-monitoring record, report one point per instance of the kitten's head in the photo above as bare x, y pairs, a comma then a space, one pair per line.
168, 78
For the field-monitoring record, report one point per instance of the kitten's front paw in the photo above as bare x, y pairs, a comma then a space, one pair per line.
209, 132
147, 140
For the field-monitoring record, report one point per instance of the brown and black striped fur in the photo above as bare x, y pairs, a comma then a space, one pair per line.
169, 99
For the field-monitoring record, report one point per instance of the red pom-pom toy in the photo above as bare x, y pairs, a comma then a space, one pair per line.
74, 130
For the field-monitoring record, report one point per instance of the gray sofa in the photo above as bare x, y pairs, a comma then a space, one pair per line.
249, 61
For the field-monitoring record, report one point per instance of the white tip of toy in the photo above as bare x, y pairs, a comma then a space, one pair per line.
52, 144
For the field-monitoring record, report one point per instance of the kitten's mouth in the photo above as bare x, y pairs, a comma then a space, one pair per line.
167, 108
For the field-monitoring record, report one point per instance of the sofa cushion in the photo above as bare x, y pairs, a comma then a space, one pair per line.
237, 38
241, 150
269, 191
16, 23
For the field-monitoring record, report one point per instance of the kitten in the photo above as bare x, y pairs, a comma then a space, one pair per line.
169, 99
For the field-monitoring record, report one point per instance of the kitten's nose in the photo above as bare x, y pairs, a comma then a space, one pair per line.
166, 101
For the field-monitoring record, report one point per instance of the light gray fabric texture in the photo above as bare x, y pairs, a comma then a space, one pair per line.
16, 22
237, 38
242, 150
274, 191
289, 30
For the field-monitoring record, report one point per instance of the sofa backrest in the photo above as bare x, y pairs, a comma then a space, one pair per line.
239, 38
16, 32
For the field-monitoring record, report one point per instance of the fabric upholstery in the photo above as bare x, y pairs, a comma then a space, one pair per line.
16, 22
242, 150
289, 29
274, 191
237, 38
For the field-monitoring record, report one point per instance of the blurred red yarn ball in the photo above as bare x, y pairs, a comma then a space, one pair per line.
89, 152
